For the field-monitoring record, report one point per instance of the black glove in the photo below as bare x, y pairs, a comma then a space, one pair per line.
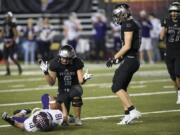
112, 61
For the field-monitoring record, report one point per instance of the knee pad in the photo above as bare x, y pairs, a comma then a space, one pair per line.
77, 102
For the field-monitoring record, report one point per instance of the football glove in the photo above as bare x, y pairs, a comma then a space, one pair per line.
112, 61
44, 66
87, 76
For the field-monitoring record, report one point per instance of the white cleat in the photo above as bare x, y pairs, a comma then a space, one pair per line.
4, 115
134, 114
78, 122
178, 101
124, 120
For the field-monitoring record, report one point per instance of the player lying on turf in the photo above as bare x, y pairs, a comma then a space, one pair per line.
45, 119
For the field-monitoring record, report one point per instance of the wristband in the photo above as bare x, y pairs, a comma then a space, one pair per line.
84, 80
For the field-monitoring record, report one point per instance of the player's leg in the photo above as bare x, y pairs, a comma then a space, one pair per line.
121, 80
177, 73
6, 55
12, 51
75, 94
14, 120
170, 64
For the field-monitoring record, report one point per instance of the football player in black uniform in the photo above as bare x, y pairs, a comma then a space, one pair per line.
128, 55
68, 69
10, 35
171, 30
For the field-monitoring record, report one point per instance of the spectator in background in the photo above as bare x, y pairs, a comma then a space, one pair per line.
155, 33
10, 34
72, 27
116, 30
29, 45
45, 36
100, 28
146, 45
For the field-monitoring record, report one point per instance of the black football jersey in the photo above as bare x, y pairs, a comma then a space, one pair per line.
173, 33
132, 26
8, 29
66, 74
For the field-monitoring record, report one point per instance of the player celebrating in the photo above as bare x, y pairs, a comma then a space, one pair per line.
130, 35
171, 30
10, 35
68, 69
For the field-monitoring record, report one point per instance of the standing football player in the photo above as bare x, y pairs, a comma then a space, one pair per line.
128, 55
10, 35
68, 69
171, 30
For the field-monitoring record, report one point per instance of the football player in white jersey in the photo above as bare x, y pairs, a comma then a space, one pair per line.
45, 119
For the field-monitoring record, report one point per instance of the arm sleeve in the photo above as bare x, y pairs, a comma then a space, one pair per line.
52, 65
128, 27
78, 63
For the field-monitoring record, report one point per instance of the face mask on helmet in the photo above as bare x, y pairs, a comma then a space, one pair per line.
43, 121
121, 13
66, 53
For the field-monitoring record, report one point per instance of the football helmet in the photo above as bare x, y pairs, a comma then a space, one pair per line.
174, 8
43, 121
9, 16
121, 13
66, 54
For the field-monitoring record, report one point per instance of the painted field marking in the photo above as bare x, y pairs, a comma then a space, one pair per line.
114, 116
92, 98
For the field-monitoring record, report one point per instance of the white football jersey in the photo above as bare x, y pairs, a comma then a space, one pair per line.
57, 116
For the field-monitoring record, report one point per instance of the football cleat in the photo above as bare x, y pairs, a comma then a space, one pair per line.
4, 115
7, 118
134, 114
178, 101
71, 119
124, 120
78, 122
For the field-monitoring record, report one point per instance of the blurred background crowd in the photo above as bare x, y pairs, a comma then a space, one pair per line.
45, 25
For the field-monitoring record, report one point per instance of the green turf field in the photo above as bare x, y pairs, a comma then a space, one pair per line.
151, 91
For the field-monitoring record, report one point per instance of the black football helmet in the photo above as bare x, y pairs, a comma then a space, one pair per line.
43, 121
66, 54
121, 13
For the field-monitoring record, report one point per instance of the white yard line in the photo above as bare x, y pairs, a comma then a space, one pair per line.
46, 87
114, 116
32, 79
92, 98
